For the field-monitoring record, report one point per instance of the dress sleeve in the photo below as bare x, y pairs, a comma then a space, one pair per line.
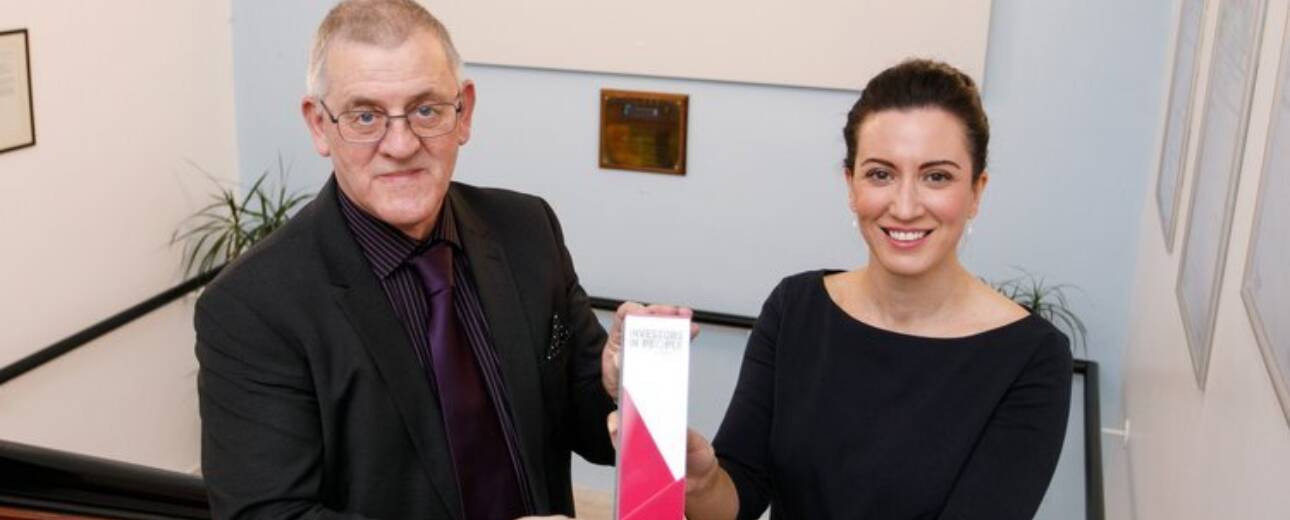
742, 443
1008, 473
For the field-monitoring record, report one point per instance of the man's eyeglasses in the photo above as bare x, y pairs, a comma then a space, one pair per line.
366, 125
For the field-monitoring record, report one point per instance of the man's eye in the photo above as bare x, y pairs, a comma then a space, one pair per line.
365, 118
427, 111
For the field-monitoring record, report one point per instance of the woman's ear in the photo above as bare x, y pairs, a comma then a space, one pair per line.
851, 194
978, 190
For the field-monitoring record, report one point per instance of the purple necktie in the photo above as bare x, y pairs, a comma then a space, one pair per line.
485, 472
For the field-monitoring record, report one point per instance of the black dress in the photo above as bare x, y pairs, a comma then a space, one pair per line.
833, 418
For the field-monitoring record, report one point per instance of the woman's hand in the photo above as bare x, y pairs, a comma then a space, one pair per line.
709, 493
701, 466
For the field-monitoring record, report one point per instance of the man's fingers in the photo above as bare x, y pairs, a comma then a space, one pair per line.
657, 309
628, 308
668, 310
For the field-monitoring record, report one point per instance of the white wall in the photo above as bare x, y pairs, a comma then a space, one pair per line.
1220, 452
809, 43
127, 94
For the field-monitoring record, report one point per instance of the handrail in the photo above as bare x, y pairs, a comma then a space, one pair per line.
1092, 411
70, 343
1093, 496
45, 479
701, 316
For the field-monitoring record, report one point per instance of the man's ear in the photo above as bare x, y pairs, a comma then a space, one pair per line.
466, 116
316, 119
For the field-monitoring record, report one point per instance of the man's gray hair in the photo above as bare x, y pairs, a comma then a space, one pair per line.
376, 22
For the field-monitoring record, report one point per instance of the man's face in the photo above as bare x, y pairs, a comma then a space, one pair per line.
402, 178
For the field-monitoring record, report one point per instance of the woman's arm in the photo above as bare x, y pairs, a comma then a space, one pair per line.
740, 471
709, 492
1008, 473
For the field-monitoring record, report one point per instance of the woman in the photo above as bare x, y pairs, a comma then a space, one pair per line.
906, 388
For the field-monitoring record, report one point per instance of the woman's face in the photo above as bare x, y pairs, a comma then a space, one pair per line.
911, 189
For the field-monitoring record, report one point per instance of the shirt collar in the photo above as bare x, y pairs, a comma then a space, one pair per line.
387, 248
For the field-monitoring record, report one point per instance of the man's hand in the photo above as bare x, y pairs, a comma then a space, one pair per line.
610, 358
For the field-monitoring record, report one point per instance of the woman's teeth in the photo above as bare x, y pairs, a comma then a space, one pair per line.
906, 236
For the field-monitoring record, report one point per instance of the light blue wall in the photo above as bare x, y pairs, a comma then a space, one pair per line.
1073, 89
270, 54
1074, 92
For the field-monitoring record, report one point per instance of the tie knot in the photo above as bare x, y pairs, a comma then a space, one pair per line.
435, 266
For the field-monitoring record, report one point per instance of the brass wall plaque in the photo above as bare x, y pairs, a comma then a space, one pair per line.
643, 131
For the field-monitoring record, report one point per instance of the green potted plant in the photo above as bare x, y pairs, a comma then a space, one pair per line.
231, 224
1048, 301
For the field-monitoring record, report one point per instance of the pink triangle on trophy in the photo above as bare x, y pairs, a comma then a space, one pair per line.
669, 503
646, 489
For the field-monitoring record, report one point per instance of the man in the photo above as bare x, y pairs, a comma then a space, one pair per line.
406, 347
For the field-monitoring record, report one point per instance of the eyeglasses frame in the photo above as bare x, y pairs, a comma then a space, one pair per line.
456, 104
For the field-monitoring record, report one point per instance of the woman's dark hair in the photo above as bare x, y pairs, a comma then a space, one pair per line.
923, 84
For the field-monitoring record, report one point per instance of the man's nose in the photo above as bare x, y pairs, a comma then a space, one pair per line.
399, 141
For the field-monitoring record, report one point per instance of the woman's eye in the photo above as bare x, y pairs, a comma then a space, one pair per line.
939, 177
878, 174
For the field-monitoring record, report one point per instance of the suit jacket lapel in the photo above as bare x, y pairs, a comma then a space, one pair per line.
510, 328
365, 304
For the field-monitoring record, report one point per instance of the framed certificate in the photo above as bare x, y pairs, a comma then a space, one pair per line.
1182, 85
1266, 287
643, 131
1218, 163
17, 120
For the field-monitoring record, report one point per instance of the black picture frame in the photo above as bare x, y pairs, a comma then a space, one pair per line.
20, 141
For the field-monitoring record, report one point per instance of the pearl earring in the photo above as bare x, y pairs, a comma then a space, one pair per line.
969, 227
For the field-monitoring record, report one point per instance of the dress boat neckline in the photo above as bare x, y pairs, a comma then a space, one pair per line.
847, 317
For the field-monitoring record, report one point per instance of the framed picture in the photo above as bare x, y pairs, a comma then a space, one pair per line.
643, 131
17, 120
1266, 287
1218, 162
1173, 149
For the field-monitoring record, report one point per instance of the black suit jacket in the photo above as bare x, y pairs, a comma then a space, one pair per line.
313, 403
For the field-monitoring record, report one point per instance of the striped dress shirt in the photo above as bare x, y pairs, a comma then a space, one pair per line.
388, 251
